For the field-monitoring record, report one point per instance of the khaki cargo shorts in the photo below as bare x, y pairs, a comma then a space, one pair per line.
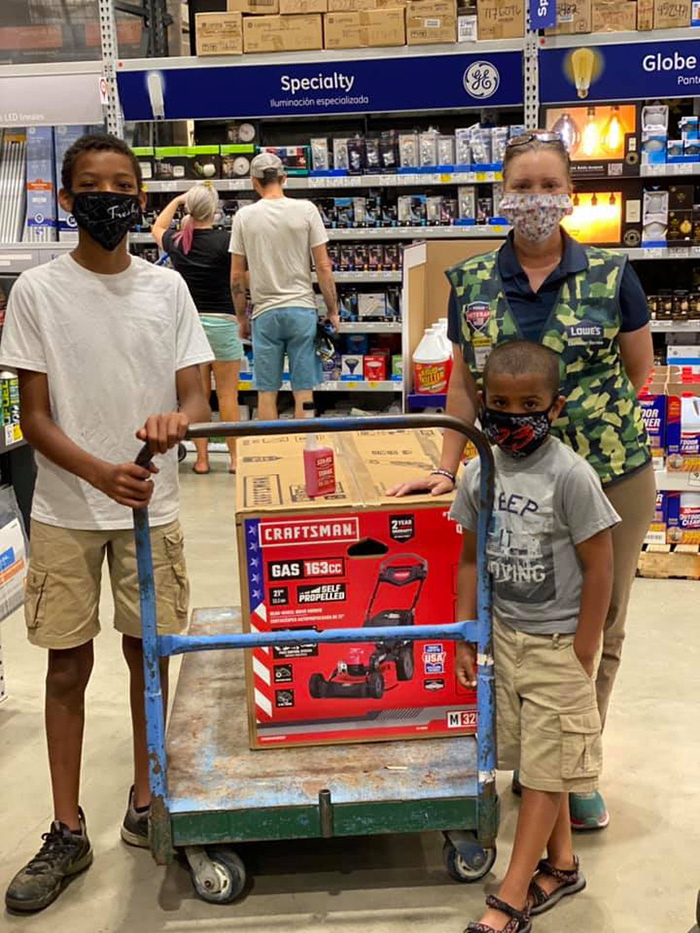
548, 724
64, 580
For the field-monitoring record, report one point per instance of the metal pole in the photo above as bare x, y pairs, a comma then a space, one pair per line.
110, 55
531, 77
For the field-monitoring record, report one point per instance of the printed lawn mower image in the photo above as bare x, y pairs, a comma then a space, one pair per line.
354, 677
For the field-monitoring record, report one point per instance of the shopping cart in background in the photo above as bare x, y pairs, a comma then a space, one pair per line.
211, 792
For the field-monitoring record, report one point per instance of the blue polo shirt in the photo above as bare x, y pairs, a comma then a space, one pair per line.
532, 309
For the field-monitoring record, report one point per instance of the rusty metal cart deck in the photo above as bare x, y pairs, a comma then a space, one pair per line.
210, 790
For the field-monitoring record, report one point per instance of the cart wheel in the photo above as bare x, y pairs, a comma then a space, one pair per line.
228, 870
404, 663
317, 686
468, 866
375, 685
181, 452
697, 909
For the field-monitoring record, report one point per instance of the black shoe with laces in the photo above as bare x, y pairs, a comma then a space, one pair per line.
42, 879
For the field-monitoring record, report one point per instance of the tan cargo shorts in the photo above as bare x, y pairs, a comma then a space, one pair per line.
548, 724
62, 600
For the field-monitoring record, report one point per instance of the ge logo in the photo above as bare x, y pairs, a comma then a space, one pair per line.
481, 80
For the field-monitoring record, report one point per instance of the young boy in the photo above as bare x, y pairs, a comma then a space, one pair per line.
106, 345
550, 557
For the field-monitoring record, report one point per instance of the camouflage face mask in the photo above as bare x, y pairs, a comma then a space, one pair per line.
535, 216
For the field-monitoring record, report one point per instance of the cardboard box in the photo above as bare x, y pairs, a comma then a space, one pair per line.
613, 16
219, 33
683, 427
431, 21
374, 367
347, 560
365, 29
500, 19
671, 14
352, 6
296, 33
254, 7
645, 15
573, 18
40, 217
653, 408
288, 7
658, 527
683, 518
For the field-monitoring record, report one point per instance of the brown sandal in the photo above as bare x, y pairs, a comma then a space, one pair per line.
572, 881
519, 921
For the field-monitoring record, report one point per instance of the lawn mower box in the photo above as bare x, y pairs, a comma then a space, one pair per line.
357, 558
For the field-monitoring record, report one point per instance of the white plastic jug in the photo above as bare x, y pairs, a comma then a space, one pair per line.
432, 363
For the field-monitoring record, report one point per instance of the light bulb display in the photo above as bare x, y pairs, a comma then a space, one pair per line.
583, 64
597, 217
613, 134
568, 131
590, 139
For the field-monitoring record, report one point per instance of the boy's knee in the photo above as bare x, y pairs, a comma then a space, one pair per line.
69, 672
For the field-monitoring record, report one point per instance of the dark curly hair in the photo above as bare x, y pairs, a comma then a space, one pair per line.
98, 142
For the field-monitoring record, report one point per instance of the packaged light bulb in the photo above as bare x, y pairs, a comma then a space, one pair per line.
359, 205
446, 150
429, 149
499, 139
389, 151
463, 147
372, 154
654, 217
481, 146
433, 210
320, 157
356, 155
409, 150
340, 154
655, 118
466, 202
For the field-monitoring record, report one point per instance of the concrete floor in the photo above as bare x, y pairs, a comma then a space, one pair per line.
642, 871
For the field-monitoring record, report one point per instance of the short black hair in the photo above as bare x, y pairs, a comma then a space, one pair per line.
97, 142
522, 357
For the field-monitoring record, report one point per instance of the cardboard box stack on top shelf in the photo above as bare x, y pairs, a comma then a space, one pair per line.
576, 17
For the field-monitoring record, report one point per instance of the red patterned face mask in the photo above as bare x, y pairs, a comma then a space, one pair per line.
516, 435
535, 216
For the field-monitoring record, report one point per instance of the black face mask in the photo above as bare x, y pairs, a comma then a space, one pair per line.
516, 435
106, 216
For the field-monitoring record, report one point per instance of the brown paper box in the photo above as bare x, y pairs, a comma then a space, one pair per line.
671, 14
613, 16
296, 33
500, 19
288, 7
253, 7
219, 33
573, 18
365, 29
352, 6
431, 21
645, 14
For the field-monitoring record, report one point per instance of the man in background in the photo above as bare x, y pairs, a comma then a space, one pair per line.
275, 240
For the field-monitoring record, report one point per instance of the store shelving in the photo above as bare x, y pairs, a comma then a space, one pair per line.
456, 232
356, 385
660, 252
355, 278
620, 38
370, 327
669, 170
398, 180
668, 481
675, 327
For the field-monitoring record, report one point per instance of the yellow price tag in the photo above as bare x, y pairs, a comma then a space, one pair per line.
445, 179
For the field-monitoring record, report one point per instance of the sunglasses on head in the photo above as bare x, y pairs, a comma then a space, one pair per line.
540, 136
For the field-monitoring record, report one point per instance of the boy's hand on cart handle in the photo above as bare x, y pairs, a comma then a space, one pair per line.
126, 483
435, 484
465, 663
163, 432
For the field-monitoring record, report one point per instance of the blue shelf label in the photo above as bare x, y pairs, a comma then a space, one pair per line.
543, 13
635, 71
423, 82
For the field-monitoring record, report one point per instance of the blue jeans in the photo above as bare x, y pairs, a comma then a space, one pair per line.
291, 331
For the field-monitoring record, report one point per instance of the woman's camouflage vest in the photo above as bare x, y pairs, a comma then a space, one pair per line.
601, 420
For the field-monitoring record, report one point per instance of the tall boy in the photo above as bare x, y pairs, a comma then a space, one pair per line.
550, 557
106, 346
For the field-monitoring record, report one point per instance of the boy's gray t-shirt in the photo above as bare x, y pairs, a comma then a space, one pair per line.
544, 506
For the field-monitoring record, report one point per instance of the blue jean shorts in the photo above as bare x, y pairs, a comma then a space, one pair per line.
291, 331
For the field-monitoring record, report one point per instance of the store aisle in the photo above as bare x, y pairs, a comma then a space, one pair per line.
642, 871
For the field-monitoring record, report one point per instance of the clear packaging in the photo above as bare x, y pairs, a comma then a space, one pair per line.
448, 211
340, 155
389, 151
429, 149
356, 155
345, 212
360, 213
481, 146
655, 118
484, 210
499, 140
320, 157
446, 150
497, 196
463, 146
433, 209
408, 150
466, 202
372, 155
412, 210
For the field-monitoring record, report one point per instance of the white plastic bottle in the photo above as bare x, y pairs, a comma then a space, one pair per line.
431, 363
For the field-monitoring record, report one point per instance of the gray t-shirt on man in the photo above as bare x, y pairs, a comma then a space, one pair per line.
544, 506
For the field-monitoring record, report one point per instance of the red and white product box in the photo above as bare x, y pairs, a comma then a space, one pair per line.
654, 414
683, 518
351, 560
375, 367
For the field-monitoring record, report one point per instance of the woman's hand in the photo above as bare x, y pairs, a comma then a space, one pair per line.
434, 483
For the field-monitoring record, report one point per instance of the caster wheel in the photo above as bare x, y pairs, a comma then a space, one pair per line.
404, 663
471, 867
375, 685
317, 686
181, 452
228, 878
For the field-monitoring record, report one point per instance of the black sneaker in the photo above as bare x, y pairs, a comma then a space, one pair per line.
62, 855
135, 825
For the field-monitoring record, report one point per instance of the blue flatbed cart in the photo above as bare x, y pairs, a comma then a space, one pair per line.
210, 791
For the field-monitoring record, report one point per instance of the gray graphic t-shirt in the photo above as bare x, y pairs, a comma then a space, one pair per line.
544, 506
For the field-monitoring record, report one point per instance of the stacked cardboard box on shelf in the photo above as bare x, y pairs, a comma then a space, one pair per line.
500, 19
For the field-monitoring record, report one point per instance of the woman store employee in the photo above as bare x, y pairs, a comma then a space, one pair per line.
587, 305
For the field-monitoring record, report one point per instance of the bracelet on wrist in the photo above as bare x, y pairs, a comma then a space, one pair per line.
450, 476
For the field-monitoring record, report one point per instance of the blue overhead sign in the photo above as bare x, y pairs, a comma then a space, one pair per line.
620, 72
379, 85
543, 13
